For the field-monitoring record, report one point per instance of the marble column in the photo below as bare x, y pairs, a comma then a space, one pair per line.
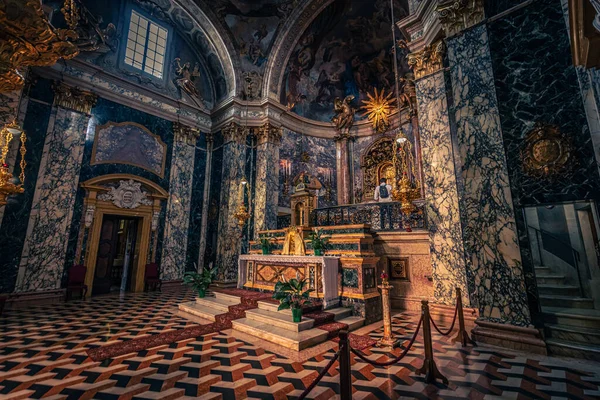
266, 188
205, 200
344, 181
229, 242
439, 177
486, 207
173, 262
43, 257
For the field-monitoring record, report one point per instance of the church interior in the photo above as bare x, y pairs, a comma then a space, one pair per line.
299, 199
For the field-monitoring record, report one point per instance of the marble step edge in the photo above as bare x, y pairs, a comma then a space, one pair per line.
549, 276
567, 301
227, 297
557, 287
577, 350
279, 319
217, 303
199, 311
586, 318
574, 334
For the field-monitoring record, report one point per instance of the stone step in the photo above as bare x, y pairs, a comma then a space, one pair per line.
279, 319
565, 348
282, 337
549, 279
200, 311
353, 322
566, 301
217, 303
579, 317
227, 297
542, 270
559, 290
574, 334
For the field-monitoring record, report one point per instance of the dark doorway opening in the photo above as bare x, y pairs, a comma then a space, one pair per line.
117, 254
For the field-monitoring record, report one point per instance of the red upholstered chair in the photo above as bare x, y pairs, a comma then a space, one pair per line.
76, 281
151, 277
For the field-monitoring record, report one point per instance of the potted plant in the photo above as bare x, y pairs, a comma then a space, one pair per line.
319, 243
265, 244
291, 294
199, 281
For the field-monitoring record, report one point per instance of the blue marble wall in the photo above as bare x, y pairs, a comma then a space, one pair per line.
313, 155
173, 263
536, 82
495, 7
214, 208
488, 221
441, 191
43, 257
103, 112
266, 192
16, 213
196, 203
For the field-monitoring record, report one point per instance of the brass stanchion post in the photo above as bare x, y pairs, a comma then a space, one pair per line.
345, 369
462, 336
429, 368
388, 336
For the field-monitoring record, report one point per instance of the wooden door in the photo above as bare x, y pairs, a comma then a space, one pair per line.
107, 246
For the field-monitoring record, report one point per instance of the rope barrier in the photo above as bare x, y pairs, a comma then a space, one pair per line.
395, 360
321, 375
451, 326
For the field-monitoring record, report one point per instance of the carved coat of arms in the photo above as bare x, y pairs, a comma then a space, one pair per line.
128, 194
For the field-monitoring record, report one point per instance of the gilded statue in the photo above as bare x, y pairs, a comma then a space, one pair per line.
186, 77
344, 114
294, 243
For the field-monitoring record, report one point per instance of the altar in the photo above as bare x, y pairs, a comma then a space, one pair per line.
264, 271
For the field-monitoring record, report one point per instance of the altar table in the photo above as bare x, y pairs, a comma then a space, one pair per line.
264, 271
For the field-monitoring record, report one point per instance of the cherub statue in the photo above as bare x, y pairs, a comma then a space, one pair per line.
344, 114
186, 77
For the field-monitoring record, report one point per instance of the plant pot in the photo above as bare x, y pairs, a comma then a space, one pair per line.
296, 314
265, 250
201, 293
318, 252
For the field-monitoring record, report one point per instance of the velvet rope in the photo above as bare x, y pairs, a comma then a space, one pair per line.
395, 360
321, 375
451, 326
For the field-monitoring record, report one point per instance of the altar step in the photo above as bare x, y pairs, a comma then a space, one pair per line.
209, 307
287, 338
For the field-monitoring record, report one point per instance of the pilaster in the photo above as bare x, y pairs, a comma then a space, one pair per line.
173, 262
43, 257
344, 180
205, 199
266, 190
234, 164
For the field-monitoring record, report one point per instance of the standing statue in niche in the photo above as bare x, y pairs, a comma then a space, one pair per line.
186, 77
344, 114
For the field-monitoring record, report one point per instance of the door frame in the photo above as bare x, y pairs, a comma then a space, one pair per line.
96, 209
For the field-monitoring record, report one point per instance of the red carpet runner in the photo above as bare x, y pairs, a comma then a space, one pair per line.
249, 300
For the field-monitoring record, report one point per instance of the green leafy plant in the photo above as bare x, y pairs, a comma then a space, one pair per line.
266, 244
199, 281
318, 241
291, 294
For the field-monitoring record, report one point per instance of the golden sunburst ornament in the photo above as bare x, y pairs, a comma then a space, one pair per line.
378, 109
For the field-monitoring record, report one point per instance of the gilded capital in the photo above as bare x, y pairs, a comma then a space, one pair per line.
74, 98
268, 133
428, 60
186, 134
458, 15
209, 137
235, 133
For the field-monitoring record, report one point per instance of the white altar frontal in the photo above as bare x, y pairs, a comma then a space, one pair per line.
264, 271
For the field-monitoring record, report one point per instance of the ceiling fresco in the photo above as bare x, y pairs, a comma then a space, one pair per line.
253, 26
346, 50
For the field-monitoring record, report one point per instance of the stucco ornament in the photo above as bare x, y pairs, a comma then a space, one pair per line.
128, 194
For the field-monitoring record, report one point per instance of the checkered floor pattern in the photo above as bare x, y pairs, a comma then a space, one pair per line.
43, 355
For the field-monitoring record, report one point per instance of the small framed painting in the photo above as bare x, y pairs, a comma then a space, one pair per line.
398, 268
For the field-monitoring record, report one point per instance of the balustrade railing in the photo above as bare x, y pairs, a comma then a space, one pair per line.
381, 216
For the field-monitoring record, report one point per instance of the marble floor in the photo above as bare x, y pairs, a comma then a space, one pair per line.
43, 354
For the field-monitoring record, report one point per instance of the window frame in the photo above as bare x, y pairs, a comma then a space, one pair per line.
123, 51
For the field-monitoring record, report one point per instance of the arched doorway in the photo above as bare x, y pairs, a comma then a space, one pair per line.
120, 235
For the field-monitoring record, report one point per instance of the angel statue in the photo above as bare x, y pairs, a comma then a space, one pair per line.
344, 114
186, 77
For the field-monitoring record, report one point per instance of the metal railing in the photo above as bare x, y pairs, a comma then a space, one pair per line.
539, 234
381, 216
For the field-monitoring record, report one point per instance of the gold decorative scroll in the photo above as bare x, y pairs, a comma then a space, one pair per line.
235, 133
186, 134
428, 60
269, 134
73, 98
27, 39
457, 15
